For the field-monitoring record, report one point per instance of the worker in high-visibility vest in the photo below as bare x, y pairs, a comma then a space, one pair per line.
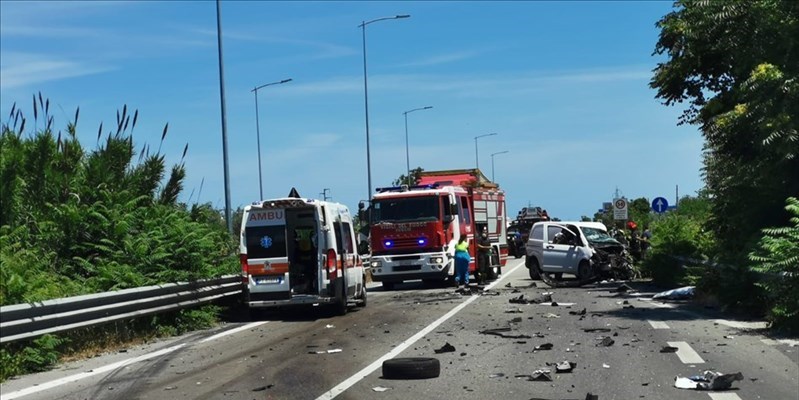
462, 259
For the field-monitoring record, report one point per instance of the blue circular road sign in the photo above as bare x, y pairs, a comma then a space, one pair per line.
660, 204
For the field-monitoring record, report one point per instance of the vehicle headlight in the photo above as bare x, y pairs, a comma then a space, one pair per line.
437, 260
376, 264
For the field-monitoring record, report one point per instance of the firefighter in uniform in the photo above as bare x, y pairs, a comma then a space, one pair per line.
483, 252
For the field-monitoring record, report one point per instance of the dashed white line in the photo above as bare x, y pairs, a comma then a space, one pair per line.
658, 324
686, 353
360, 375
724, 396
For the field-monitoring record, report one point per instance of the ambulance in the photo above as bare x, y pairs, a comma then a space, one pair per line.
297, 251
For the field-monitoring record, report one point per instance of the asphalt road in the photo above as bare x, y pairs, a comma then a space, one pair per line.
275, 357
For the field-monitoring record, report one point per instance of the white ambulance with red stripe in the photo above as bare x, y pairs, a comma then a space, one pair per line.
414, 229
297, 251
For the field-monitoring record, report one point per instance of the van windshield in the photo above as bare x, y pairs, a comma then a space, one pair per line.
597, 235
406, 209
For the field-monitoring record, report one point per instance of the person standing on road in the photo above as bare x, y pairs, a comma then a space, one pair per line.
462, 259
483, 250
646, 237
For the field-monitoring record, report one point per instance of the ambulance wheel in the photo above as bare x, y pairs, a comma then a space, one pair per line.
340, 306
362, 302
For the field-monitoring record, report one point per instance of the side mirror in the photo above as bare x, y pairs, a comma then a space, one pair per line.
448, 219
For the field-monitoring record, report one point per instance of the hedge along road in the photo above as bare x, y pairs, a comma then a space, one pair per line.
272, 354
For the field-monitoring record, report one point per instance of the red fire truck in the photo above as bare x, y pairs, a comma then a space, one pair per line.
414, 229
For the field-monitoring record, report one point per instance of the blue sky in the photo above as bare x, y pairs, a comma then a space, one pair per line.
564, 84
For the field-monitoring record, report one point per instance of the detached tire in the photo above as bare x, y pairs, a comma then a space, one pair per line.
411, 368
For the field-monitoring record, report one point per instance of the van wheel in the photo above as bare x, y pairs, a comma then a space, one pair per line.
388, 285
584, 271
411, 368
532, 268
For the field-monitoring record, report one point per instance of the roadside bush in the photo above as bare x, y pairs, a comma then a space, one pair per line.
777, 259
676, 235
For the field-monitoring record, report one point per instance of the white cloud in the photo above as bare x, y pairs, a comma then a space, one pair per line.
443, 59
26, 69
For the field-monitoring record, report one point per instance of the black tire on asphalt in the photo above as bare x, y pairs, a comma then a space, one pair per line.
532, 268
340, 306
411, 368
584, 271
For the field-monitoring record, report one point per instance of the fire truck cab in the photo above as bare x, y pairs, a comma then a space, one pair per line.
414, 229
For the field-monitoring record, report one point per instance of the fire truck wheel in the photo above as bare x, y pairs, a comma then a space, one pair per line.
388, 285
411, 368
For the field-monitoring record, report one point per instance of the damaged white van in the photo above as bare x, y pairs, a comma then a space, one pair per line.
297, 251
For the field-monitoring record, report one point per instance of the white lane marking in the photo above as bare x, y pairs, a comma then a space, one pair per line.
724, 396
686, 353
77, 377
358, 376
658, 324
742, 324
232, 331
111, 367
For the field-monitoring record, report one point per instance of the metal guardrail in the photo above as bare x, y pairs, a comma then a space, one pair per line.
25, 321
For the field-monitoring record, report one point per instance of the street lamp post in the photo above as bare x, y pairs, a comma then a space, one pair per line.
366, 96
407, 154
492, 163
258, 132
476, 157
228, 219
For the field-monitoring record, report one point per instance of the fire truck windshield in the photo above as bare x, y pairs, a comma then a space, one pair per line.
406, 209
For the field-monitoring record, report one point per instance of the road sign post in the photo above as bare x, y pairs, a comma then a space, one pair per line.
660, 205
620, 209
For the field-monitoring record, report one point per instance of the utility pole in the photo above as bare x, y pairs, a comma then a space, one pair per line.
324, 194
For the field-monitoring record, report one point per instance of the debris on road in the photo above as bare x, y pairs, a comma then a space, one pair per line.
544, 298
262, 388
596, 329
668, 349
516, 320
708, 380
545, 346
170, 388
729, 337
501, 333
380, 388
682, 293
331, 351
497, 375
447, 348
550, 315
605, 366
411, 368
623, 288
328, 326
581, 312
541, 375
607, 341
565, 367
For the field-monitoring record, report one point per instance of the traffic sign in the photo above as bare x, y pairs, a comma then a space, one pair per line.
620, 209
660, 205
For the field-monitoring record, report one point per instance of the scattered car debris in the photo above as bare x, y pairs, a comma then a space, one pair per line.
170, 388
541, 375
729, 337
514, 311
446, 348
380, 388
497, 375
682, 293
554, 304
545, 346
581, 312
565, 367
544, 298
262, 388
501, 333
550, 315
607, 341
328, 326
331, 351
516, 320
668, 349
605, 366
590, 396
708, 380
596, 329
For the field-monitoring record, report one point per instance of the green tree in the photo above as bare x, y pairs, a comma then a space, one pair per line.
777, 256
735, 65
403, 179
